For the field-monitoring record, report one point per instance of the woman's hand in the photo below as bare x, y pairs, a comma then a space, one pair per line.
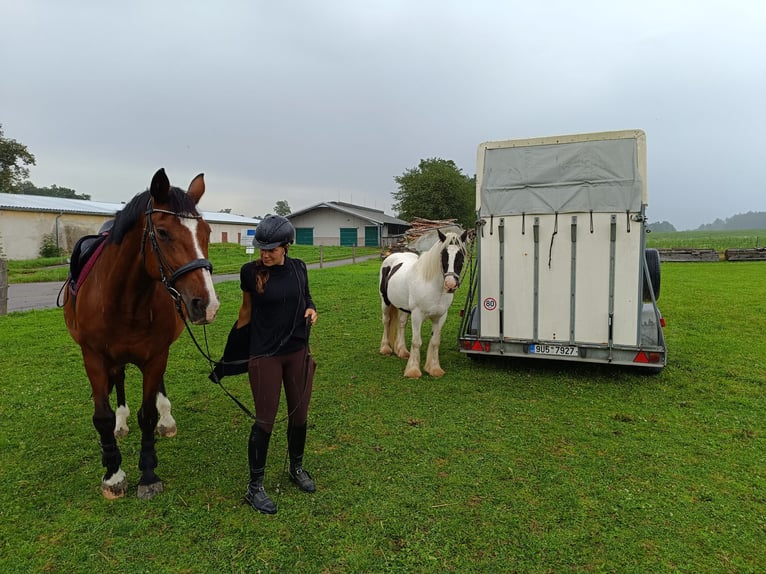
310, 314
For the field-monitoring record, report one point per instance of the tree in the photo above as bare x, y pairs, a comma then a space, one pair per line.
436, 189
282, 208
28, 188
14, 157
661, 226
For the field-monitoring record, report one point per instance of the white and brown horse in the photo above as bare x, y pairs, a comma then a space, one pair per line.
423, 287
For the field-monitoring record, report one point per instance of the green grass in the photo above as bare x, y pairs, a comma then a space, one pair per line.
500, 466
226, 258
718, 240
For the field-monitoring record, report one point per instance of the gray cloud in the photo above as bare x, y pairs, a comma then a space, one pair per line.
309, 102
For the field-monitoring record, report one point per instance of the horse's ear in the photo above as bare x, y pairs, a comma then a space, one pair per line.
160, 186
197, 188
442, 237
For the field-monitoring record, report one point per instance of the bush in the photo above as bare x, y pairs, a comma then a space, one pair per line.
49, 248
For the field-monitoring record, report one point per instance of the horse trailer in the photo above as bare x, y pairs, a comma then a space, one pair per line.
561, 269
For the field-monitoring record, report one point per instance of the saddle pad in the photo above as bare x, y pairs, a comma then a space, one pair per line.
84, 255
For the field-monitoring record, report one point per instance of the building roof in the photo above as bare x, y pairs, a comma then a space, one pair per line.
372, 215
45, 203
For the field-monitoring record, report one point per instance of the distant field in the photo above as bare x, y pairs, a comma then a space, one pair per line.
718, 240
226, 258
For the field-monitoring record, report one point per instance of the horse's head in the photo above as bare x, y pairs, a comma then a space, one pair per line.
452, 258
177, 248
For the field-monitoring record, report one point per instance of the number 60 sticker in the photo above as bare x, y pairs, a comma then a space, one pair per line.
490, 304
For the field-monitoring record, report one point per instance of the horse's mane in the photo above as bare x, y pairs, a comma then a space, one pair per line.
430, 261
178, 202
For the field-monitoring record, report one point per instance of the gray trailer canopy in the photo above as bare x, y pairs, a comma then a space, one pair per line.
565, 175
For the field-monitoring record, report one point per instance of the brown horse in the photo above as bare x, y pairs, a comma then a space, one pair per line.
152, 274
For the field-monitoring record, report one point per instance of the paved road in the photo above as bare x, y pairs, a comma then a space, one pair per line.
28, 296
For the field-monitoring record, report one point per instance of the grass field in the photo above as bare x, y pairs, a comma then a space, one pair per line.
226, 258
500, 466
718, 240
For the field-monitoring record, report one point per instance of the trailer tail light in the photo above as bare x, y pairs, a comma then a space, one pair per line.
644, 357
662, 321
476, 345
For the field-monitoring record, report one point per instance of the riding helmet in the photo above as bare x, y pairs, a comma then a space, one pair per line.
273, 231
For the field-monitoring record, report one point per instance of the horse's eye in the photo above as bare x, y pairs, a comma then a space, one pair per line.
163, 234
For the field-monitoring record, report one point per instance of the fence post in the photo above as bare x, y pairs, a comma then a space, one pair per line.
321, 255
3, 286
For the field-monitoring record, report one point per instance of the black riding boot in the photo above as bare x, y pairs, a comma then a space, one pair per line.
296, 443
257, 448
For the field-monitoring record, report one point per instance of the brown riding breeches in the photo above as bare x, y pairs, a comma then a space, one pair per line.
267, 374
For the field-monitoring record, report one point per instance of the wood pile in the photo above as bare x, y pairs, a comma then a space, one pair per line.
754, 254
420, 227
680, 254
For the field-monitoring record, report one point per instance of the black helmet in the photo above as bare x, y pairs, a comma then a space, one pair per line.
273, 231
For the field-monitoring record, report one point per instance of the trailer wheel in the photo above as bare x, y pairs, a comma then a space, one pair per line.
653, 263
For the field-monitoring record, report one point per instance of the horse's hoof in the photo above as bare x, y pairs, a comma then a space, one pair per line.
386, 350
121, 432
403, 354
167, 431
413, 373
436, 372
116, 486
147, 491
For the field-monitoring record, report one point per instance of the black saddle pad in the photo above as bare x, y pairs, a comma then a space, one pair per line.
82, 252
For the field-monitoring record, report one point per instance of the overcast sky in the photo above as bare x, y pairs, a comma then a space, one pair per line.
330, 100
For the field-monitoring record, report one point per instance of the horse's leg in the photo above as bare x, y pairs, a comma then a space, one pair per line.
412, 370
114, 483
117, 380
150, 484
399, 322
167, 424
385, 343
432, 366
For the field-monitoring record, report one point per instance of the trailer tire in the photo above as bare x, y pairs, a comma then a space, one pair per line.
653, 263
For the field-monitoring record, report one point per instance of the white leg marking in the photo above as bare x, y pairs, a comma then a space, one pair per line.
121, 423
166, 425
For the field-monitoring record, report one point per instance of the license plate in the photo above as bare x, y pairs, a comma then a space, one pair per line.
564, 350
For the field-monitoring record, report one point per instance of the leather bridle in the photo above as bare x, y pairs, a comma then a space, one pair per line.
168, 275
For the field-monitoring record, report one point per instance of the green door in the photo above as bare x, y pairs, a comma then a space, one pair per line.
304, 236
348, 236
371, 236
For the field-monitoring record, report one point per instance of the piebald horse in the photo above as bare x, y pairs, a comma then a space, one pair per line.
152, 273
422, 286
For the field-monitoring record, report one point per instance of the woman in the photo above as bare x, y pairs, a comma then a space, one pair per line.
277, 305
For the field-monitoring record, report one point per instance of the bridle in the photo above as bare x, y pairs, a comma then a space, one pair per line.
165, 267
453, 274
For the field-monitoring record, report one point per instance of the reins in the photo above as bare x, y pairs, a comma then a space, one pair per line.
178, 300
216, 380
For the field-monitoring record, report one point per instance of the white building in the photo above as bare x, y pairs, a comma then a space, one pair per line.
338, 223
25, 220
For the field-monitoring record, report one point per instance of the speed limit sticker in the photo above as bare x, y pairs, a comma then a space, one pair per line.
490, 304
